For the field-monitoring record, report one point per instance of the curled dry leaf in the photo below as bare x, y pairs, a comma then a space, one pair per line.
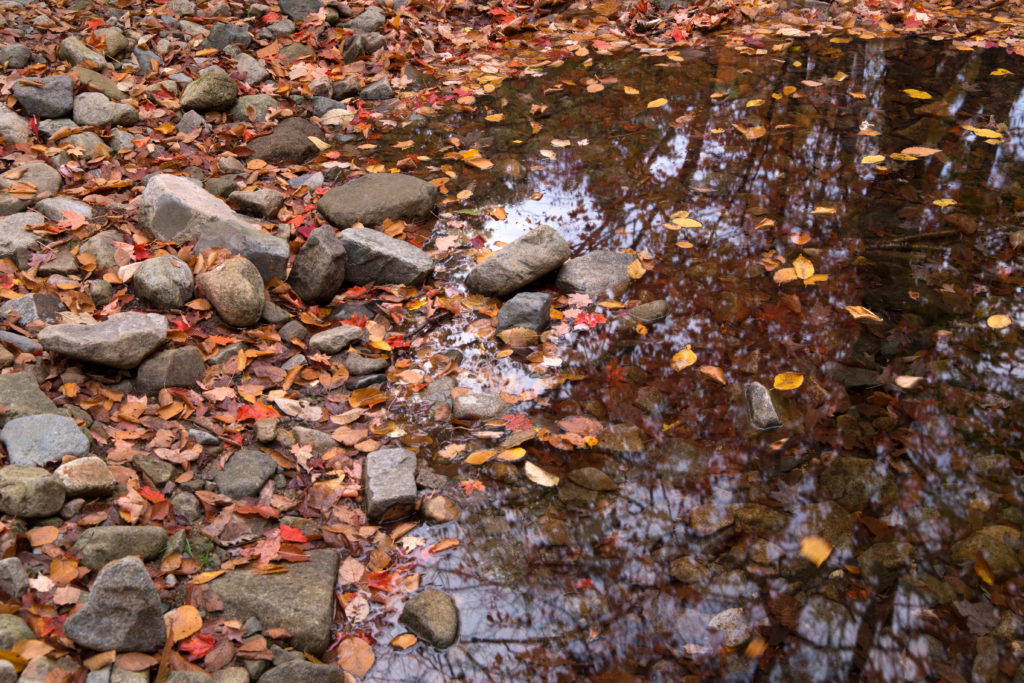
861, 313
539, 476
714, 372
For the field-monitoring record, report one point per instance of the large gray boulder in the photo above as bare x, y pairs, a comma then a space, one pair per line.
213, 91
300, 600
164, 282
123, 611
372, 256
433, 616
121, 341
29, 492
42, 439
173, 208
102, 544
371, 198
525, 260
389, 483
235, 288
20, 395
268, 253
599, 274
46, 98
16, 240
319, 268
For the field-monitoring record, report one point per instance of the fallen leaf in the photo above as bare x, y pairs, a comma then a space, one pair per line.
182, 622
1001, 72
816, 549
908, 381
714, 372
944, 202
636, 270
683, 359
803, 267
480, 457
861, 313
754, 103
920, 151
404, 641
512, 454
823, 211
917, 94
629, 90
998, 321
42, 535
654, 104
784, 381
872, 159
355, 656
539, 476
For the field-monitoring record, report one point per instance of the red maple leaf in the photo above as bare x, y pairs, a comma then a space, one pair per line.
590, 319
258, 411
197, 647
515, 422
292, 535
471, 485
151, 495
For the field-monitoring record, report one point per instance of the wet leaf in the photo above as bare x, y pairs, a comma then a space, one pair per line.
539, 476
754, 103
629, 90
512, 454
519, 337
654, 104
917, 94
495, 118
784, 275
42, 535
17, 661
183, 622
1001, 72
480, 457
920, 151
404, 641
982, 569
816, 549
861, 313
355, 656
872, 159
714, 372
683, 359
823, 211
984, 132
998, 321
636, 270
944, 202
686, 223
784, 381
908, 381
755, 648
803, 267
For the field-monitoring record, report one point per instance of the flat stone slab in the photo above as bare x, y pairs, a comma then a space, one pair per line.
374, 197
300, 600
121, 341
102, 544
173, 207
389, 483
523, 261
372, 256
42, 439
599, 274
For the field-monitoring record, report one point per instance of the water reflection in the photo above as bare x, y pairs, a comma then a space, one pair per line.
698, 552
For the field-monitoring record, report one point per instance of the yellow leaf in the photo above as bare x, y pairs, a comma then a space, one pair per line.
686, 223
823, 211
560, 143
816, 278
629, 90
784, 381
755, 103
610, 304
789, 90
654, 104
908, 381
512, 454
547, 153
946, 201
493, 118
1001, 72
872, 159
816, 549
636, 270
803, 267
920, 151
404, 641
206, 577
713, 372
984, 132
900, 156
917, 94
183, 622
784, 275
498, 213
861, 313
519, 337
539, 476
982, 569
683, 359
480, 457
318, 143
998, 321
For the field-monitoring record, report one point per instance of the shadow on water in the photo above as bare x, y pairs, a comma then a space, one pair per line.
698, 551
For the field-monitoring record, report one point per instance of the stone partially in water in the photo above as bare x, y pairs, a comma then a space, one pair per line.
389, 483
531, 310
732, 625
372, 256
706, 520
433, 616
880, 565
600, 274
478, 407
621, 438
994, 545
759, 404
525, 260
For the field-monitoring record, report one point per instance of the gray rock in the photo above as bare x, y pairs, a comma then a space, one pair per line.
15, 56
433, 617
76, 52
592, 479
115, 42
732, 625
252, 70
101, 247
30, 492
13, 577
148, 61
230, 164
369, 20
346, 87
221, 186
295, 51
189, 677
319, 268
102, 544
760, 407
268, 253
32, 307
173, 208
478, 407
263, 203
121, 341
13, 629
213, 91
378, 90
372, 256
282, 27
244, 473
857, 482
253, 108
86, 478
63, 263
188, 506
235, 288
300, 600
307, 672
288, 143
322, 105
293, 330
47, 98
122, 139
16, 241
358, 364
373, 42
191, 121
8, 674
300, 9
371, 198
96, 109
123, 611
531, 310
180, 367
881, 564
649, 312
20, 395
159, 471
600, 274
440, 509
164, 282
389, 484
336, 339
222, 35
88, 142
525, 260
993, 546
181, 8
38, 670
45, 178
54, 207
93, 80
41, 439
13, 128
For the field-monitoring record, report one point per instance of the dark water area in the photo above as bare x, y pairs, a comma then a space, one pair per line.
915, 483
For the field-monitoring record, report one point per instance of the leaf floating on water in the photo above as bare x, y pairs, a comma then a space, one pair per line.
539, 476
784, 275
799, 238
984, 132
823, 211
686, 223
920, 151
493, 118
816, 549
512, 454
1001, 72
480, 457
998, 321
547, 153
714, 372
654, 104
861, 313
518, 337
803, 267
636, 270
751, 133
908, 381
630, 90
756, 647
355, 656
404, 641
785, 381
560, 143
683, 359
872, 159
755, 103
944, 202
982, 569
917, 94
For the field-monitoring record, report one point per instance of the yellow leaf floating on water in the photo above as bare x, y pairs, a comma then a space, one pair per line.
1001, 72
784, 381
803, 267
784, 275
512, 454
998, 321
683, 359
404, 641
946, 201
686, 223
984, 132
755, 103
823, 211
816, 549
917, 94
861, 313
495, 118
654, 104
547, 153
789, 90
872, 159
480, 457
636, 270
900, 156
908, 381
630, 90
560, 143
920, 151
539, 476
714, 372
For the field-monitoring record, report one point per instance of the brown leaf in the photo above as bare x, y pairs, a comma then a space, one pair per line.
355, 656
183, 622
404, 641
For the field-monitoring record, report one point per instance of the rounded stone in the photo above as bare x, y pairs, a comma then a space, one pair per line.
164, 282
235, 288
433, 617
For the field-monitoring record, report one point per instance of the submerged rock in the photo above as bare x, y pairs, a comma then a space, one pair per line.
389, 483
525, 260
433, 616
759, 404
